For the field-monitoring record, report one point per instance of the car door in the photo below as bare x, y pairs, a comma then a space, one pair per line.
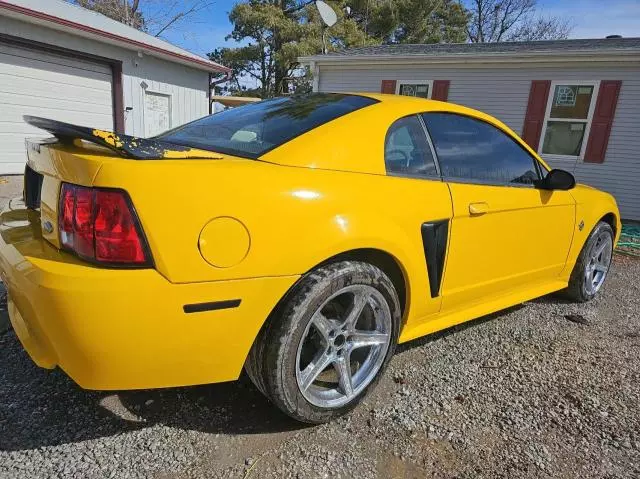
506, 235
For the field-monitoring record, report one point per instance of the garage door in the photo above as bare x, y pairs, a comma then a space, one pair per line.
35, 82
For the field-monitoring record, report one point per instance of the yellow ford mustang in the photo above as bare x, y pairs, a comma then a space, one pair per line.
301, 238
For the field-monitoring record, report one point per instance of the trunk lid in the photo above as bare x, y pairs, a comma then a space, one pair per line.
76, 155
49, 163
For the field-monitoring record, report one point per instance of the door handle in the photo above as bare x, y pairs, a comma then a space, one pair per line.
480, 208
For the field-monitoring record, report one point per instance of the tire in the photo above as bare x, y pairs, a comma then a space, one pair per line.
580, 289
314, 324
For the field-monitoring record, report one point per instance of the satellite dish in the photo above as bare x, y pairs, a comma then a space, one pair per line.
327, 13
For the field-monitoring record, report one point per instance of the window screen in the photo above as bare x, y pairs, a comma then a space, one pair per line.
567, 120
414, 89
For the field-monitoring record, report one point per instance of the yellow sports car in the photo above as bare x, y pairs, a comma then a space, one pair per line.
301, 238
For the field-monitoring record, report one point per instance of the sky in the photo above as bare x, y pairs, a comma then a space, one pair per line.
590, 19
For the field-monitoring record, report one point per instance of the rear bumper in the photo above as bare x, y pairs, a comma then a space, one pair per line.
125, 329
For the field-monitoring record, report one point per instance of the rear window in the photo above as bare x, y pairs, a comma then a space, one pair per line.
252, 130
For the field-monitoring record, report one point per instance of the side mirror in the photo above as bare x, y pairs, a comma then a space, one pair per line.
557, 180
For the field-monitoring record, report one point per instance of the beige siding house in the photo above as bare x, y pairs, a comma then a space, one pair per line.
576, 102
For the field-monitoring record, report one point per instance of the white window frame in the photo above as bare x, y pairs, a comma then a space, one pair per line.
429, 83
585, 139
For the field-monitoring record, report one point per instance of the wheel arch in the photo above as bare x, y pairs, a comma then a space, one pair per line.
382, 259
612, 220
590, 214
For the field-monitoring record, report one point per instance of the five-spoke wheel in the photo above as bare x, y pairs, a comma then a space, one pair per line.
592, 265
599, 260
343, 346
329, 342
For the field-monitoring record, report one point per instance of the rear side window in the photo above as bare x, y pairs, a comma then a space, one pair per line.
252, 130
473, 150
406, 150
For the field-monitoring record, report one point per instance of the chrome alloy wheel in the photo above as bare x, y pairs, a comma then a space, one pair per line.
343, 346
599, 261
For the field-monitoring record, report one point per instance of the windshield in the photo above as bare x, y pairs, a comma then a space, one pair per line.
252, 130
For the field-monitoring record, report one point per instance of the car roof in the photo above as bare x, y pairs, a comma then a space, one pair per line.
386, 97
355, 141
412, 103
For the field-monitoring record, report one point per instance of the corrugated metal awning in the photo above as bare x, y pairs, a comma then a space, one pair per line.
230, 101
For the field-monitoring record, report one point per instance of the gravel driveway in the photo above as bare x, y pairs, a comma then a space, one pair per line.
522, 393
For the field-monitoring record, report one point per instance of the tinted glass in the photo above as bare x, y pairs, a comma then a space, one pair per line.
472, 149
406, 150
254, 129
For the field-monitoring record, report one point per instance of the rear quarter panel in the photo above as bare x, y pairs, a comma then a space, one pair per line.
296, 217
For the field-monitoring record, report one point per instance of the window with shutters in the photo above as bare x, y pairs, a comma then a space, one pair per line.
419, 88
568, 118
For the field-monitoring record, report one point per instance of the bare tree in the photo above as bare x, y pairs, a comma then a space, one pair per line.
512, 20
163, 15
121, 10
158, 17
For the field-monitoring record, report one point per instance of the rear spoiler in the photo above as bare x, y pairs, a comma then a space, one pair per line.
125, 145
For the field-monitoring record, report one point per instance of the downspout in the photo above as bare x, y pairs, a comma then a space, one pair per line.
209, 94
315, 72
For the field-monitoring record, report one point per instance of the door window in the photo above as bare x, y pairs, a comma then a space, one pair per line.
474, 150
406, 149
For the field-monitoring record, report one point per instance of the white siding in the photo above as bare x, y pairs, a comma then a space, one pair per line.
37, 83
187, 86
503, 91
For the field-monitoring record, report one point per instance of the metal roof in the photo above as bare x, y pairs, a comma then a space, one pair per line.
501, 49
61, 15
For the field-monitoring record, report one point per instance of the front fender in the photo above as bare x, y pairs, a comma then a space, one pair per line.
592, 206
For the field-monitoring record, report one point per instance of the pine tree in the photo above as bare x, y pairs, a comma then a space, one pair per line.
411, 21
278, 32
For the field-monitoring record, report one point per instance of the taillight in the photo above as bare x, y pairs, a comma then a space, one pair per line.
100, 225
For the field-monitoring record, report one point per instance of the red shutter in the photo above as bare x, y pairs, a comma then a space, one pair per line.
388, 86
602, 121
440, 90
538, 96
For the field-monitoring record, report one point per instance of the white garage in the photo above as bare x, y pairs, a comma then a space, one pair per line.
60, 61
39, 83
